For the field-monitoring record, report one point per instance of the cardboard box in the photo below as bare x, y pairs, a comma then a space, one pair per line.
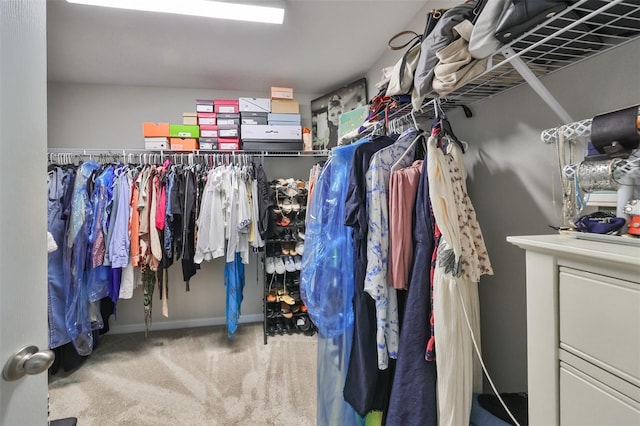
151, 130
281, 93
285, 106
204, 105
156, 144
207, 118
208, 131
229, 106
228, 144
184, 144
228, 132
184, 131
254, 104
269, 132
283, 123
290, 118
272, 145
208, 144
253, 120
247, 114
228, 119
190, 118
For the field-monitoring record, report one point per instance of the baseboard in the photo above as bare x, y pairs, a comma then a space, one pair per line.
173, 325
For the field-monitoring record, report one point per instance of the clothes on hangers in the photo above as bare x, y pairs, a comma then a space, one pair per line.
125, 224
365, 385
403, 189
413, 392
462, 260
327, 284
376, 283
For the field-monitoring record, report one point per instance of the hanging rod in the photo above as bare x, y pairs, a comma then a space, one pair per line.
570, 131
165, 153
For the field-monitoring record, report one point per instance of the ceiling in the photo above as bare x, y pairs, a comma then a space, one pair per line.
322, 45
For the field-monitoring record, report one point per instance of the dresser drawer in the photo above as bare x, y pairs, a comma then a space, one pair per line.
600, 320
585, 401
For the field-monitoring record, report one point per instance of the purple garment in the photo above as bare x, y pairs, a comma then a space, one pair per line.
119, 244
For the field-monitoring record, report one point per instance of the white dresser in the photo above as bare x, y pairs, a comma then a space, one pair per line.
583, 331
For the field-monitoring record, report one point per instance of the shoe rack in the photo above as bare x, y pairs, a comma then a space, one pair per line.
284, 311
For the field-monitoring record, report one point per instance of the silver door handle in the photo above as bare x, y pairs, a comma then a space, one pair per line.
28, 360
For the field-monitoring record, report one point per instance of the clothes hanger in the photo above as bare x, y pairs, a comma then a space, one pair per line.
420, 135
445, 126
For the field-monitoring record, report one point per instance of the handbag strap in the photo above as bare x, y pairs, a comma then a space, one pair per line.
415, 37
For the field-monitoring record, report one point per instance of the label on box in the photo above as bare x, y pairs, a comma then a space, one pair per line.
228, 121
228, 133
208, 145
204, 108
254, 120
229, 145
207, 121
227, 108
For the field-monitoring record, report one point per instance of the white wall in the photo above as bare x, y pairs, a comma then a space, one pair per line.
110, 118
514, 184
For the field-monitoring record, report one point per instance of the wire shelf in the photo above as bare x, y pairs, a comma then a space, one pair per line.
585, 29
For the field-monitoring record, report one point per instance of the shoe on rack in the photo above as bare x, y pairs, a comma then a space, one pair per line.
299, 248
298, 262
289, 264
301, 234
279, 265
286, 248
269, 265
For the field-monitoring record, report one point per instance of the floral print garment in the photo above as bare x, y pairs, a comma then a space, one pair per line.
376, 280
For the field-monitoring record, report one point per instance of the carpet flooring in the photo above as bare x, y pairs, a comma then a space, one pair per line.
192, 377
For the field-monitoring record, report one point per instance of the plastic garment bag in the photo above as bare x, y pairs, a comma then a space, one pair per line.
327, 285
80, 317
99, 275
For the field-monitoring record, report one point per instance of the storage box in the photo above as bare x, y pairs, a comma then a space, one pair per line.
156, 143
150, 130
207, 118
208, 131
184, 144
228, 119
289, 118
228, 144
184, 131
285, 106
204, 105
190, 118
226, 106
269, 132
253, 120
208, 143
254, 104
272, 145
228, 132
281, 93
247, 114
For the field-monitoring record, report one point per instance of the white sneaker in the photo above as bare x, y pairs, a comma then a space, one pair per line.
300, 247
298, 262
269, 265
289, 264
279, 265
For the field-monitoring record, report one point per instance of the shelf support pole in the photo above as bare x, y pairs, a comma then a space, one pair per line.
535, 83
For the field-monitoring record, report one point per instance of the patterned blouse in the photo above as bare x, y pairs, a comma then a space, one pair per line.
376, 280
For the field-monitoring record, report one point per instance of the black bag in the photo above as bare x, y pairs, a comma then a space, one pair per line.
523, 15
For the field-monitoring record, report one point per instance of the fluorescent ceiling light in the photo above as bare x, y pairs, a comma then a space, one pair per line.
206, 8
